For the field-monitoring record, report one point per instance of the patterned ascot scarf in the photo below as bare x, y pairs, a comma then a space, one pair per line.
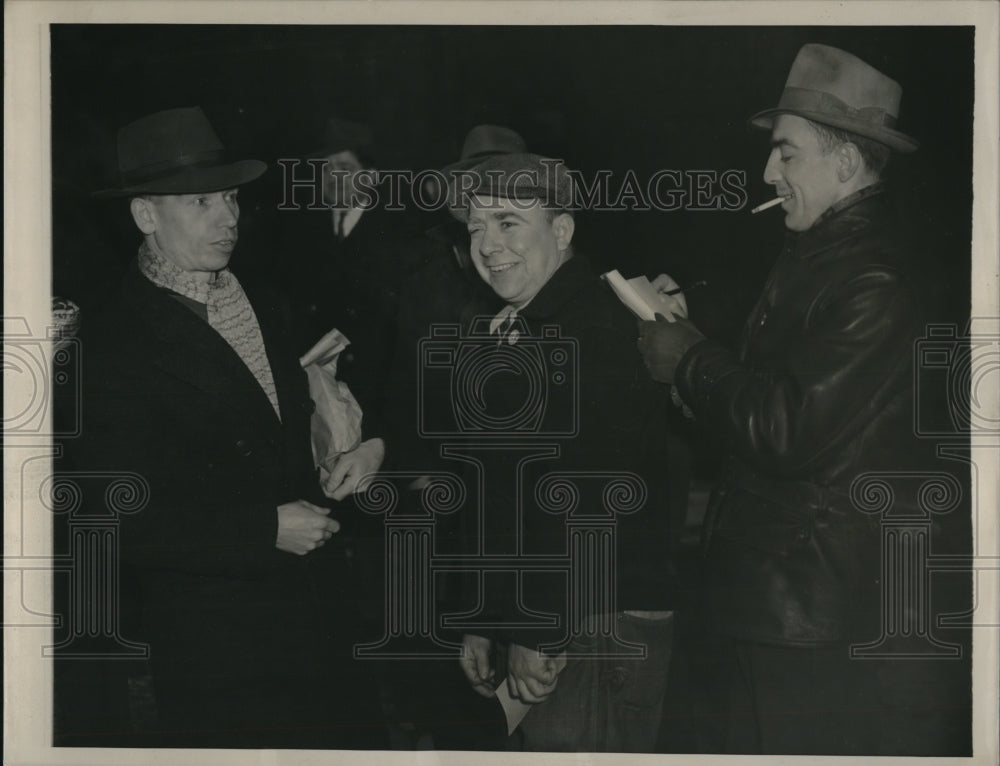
229, 312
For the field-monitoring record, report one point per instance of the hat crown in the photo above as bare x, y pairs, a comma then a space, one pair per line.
838, 73
832, 87
346, 135
486, 140
176, 151
167, 137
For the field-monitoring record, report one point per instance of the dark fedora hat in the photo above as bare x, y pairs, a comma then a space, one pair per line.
832, 87
485, 141
176, 152
340, 135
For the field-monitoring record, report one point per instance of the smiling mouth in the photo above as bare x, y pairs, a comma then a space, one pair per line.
501, 268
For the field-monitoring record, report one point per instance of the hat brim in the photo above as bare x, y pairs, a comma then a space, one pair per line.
470, 162
462, 213
193, 180
895, 140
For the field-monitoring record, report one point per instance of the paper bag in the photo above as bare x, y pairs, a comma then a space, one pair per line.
336, 422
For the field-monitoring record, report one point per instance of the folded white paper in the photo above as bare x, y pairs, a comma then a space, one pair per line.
639, 296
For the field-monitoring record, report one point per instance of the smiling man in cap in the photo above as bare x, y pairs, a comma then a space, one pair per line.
519, 212
818, 394
191, 383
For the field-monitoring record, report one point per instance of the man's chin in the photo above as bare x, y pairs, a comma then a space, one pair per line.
795, 223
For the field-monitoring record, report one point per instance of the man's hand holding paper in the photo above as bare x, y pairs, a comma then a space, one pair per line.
352, 471
663, 345
676, 303
531, 676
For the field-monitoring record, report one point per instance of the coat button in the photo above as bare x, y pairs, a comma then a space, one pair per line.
803, 536
617, 677
308, 406
243, 447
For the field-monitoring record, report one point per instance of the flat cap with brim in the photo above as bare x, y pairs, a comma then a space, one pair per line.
176, 152
833, 87
485, 141
524, 177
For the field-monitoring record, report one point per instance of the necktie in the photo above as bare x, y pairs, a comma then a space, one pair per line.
502, 325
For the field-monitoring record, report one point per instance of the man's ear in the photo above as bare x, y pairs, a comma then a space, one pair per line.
142, 214
563, 225
848, 161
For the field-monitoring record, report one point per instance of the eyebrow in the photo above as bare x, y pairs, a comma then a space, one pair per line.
502, 215
777, 143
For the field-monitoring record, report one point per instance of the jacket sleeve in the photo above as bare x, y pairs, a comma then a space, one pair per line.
843, 368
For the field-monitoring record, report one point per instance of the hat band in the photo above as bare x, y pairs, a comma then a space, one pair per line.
808, 100
158, 170
483, 154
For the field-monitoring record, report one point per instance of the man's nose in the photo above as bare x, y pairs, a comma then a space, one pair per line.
230, 214
772, 172
491, 244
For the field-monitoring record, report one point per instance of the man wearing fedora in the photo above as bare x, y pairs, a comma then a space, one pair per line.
595, 675
191, 383
348, 261
819, 392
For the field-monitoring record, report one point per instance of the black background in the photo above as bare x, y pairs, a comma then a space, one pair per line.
614, 97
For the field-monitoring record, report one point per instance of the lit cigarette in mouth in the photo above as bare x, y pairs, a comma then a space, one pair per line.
766, 205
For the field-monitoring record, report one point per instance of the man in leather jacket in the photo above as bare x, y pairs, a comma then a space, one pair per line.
819, 393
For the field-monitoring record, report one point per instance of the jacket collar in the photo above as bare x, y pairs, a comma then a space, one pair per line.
571, 277
841, 221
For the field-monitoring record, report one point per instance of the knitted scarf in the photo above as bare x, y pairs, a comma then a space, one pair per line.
229, 312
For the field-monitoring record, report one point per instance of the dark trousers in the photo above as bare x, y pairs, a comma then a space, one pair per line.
755, 698
604, 703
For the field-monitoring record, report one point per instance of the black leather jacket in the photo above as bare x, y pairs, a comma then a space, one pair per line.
820, 392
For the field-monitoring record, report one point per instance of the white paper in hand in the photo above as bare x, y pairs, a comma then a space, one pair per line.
336, 422
639, 296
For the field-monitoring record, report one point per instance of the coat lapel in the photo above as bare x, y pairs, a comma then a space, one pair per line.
185, 347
